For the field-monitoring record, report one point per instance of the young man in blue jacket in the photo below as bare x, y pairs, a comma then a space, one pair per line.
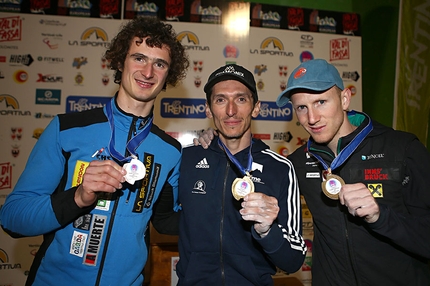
92, 179
241, 210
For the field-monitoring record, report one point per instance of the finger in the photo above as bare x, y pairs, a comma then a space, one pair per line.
210, 133
102, 182
196, 142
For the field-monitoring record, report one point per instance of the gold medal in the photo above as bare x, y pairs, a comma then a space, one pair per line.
241, 187
331, 185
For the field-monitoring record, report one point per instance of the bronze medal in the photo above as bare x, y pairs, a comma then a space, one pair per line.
241, 187
331, 185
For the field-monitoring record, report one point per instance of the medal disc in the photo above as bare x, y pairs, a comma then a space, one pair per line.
135, 171
241, 187
331, 186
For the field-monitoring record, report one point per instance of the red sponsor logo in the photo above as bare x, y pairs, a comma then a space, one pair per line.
296, 17
109, 7
339, 49
10, 29
350, 22
174, 8
374, 174
5, 176
261, 136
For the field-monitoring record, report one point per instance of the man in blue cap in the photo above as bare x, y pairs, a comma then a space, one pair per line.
365, 184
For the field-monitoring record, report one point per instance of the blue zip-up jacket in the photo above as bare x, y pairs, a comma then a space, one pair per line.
216, 246
102, 244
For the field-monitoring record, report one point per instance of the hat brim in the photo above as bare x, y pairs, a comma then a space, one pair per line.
225, 77
285, 96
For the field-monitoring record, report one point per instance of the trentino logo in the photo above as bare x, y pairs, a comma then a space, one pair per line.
272, 46
94, 36
270, 111
81, 103
190, 41
183, 108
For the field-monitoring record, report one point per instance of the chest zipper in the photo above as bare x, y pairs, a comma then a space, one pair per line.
131, 132
227, 169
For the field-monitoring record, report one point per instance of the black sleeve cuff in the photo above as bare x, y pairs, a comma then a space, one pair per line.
65, 208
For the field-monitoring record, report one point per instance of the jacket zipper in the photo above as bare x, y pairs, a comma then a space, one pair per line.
350, 252
131, 132
222, 223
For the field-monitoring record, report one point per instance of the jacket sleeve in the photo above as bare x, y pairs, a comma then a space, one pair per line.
38, 203
165, 216
284, 243
410, 230
164, 219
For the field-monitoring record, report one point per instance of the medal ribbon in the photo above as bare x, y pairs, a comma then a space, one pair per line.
235, 161
348, 150
133, 144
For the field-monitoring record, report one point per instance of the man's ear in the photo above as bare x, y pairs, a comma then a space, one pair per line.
345, 96
208, 111
256, 109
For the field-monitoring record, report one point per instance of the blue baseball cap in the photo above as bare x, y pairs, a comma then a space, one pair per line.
316, 75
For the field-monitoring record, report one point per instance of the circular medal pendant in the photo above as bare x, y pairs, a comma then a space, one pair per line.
135, 171
241, 187
331, 186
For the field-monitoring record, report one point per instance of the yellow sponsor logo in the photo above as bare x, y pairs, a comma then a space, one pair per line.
79, 172
99, 33
191, 37
9, 100
272, 42
376, 190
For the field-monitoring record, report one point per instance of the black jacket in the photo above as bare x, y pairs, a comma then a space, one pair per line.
392, 251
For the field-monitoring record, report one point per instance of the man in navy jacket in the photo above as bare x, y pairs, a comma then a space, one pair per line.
241, 210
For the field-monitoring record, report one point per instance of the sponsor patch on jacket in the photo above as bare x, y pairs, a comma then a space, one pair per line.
79, 172
83, 222
103, 205
313, 175
95, 237
375, 174
199, 187
153, 186
148, 160
77, 244
376, 190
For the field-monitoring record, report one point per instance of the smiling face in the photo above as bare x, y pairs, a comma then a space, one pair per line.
323, 115
232, 109
143, 76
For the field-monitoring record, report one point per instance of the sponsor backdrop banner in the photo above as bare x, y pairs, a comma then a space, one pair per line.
54, 64
412, 106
